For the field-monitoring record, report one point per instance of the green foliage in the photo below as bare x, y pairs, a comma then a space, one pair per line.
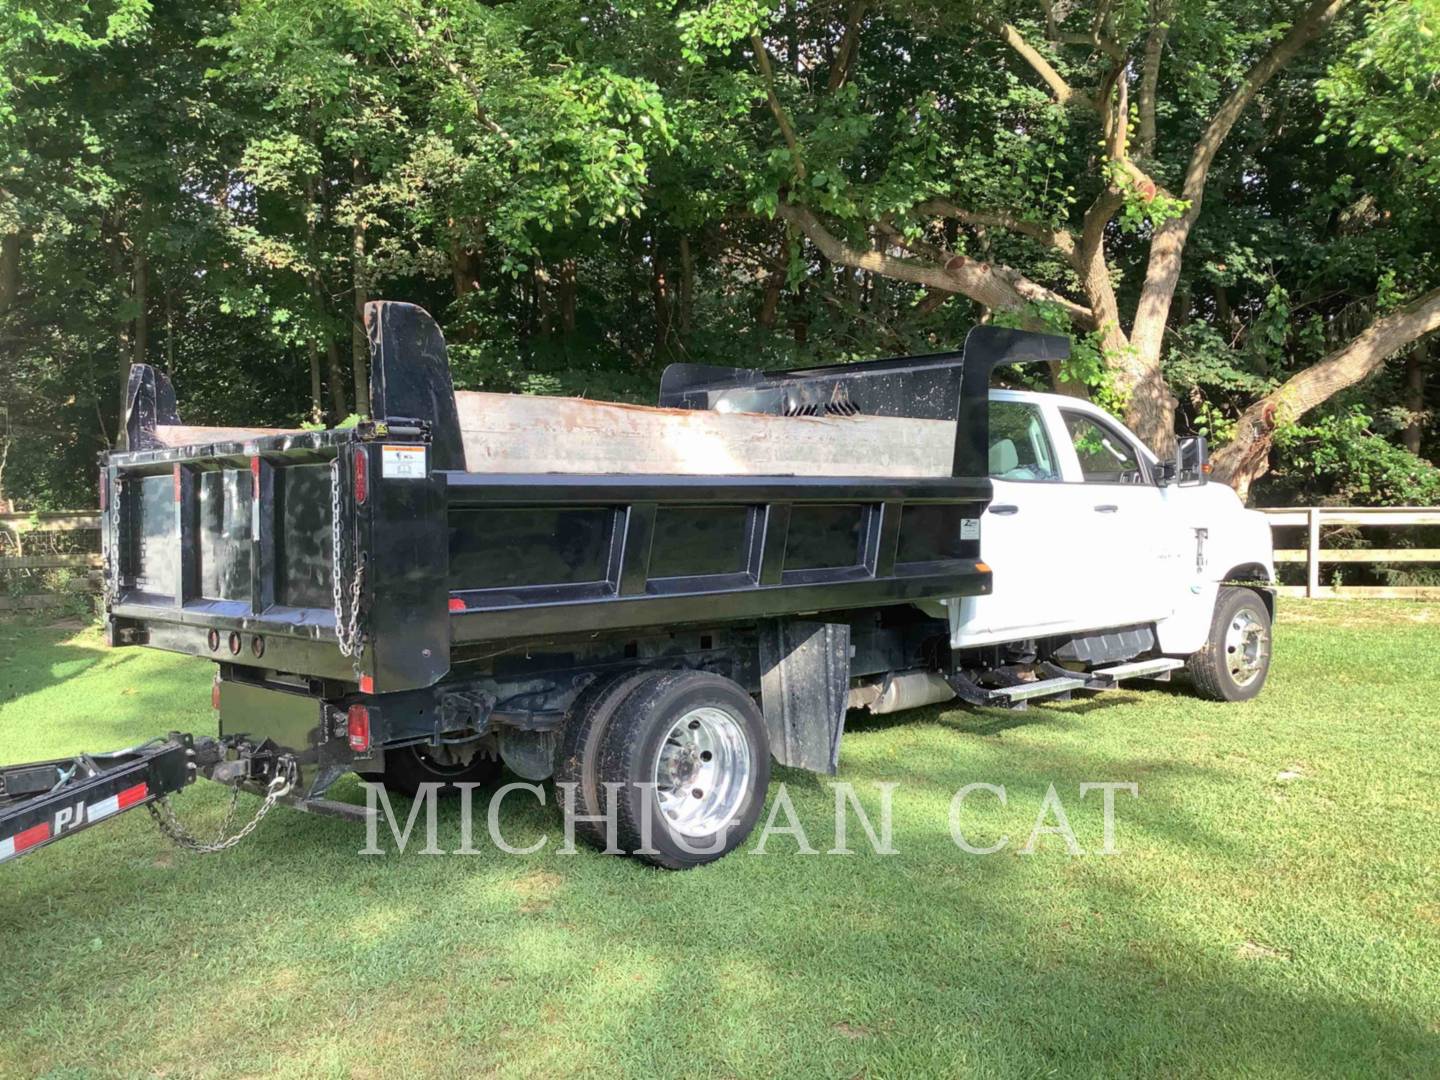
719, 25
1355, 466
1384, 93
583, 193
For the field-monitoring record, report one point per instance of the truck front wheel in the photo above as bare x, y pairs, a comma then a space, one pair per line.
1235, 660
690, 753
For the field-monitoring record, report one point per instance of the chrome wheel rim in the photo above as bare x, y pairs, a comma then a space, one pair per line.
702, 771
1247, 646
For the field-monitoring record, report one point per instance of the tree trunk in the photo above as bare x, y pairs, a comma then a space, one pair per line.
317, 401
10, 245
565, 295
845, 52
359, 338
687, 286
139, 293
463, 270
1415, 395
122, 332
338, 406
1152, 407
770, 298
1247, 457
169, 332
1150, 76
660, 291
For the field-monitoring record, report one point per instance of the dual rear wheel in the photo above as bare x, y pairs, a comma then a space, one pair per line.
680, 759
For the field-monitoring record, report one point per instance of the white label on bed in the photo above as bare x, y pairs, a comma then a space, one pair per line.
969, 528
402, 462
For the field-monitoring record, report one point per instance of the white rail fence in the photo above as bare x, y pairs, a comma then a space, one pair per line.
1315, 518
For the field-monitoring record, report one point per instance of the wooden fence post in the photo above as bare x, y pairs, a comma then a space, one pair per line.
1312, 554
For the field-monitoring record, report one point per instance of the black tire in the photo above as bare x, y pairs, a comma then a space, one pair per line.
1235, 661
579, 746
738, 769
410, 766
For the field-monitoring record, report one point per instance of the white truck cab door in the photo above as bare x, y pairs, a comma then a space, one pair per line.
1123, 525
1026, 535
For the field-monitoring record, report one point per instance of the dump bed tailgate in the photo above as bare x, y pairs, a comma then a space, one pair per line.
229, 550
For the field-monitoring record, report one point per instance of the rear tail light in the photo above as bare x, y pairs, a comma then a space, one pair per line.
362, 477
255, 477
104, 491
177, 483
357, 728
215, 694
367, 684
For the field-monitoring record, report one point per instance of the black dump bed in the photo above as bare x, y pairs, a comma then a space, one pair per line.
369, 556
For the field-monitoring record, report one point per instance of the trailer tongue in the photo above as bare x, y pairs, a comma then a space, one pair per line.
388, 600
43, 801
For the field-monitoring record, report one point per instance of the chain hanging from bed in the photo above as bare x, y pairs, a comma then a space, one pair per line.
348, 632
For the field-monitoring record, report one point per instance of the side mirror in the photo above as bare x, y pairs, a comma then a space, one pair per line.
1192, 461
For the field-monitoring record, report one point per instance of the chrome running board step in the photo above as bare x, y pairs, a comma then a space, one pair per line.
1024, 691
1156, 668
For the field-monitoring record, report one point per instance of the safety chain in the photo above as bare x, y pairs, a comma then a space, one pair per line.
347, 630
164, 814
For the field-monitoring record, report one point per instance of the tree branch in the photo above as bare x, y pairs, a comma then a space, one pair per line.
1065, 94
1062, 240
1246, 457
1150, 75
994, 286
782, 119
845, 53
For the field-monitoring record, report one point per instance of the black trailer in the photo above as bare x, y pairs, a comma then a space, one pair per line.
373, 607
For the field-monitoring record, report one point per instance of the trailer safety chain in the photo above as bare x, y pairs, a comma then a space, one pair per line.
347, 630
163, 813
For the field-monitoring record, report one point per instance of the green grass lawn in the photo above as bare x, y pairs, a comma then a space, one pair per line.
1274, 908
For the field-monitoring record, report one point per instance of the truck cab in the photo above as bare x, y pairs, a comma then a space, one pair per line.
1092, 535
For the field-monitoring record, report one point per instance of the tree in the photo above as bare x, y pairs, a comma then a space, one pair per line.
1227, 209
1372, 91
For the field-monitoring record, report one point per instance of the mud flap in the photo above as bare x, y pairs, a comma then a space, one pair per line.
804, 686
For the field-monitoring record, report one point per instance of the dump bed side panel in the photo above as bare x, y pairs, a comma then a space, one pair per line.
556, 554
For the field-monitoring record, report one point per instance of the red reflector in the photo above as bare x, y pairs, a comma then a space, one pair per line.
177, 483
456, 604
36, 834
255, 476
215, 694
357, 727
367, 684
362, 477
104, 491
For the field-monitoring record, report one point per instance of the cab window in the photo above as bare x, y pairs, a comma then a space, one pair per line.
1019, 447
1106, 456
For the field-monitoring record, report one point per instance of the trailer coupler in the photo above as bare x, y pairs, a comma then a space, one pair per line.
43, 801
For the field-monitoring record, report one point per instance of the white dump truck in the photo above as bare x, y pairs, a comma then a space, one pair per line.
648, 604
